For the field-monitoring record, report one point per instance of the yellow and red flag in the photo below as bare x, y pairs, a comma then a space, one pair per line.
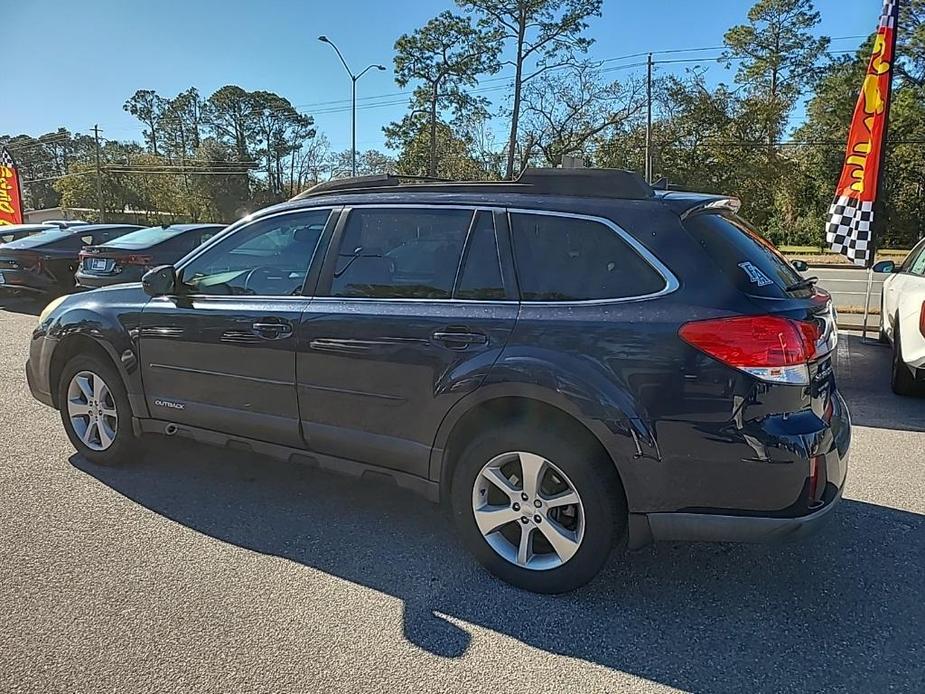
10, 192
850, 225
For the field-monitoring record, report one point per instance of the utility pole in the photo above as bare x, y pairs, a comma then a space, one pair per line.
649, 119
99, 173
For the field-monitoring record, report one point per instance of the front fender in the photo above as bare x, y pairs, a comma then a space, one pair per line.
114, 327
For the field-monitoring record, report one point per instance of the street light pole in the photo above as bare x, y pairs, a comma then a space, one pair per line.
353, 80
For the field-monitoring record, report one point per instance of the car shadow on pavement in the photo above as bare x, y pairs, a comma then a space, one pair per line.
842, 610
863, 376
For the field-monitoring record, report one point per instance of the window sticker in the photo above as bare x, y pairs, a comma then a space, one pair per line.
755, 276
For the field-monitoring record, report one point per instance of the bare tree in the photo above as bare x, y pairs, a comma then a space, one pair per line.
567, 110
546, 34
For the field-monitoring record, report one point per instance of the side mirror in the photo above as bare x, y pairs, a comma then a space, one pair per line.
800, 265
160, 281
885, 266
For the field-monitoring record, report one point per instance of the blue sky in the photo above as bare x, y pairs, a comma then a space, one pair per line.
73, 63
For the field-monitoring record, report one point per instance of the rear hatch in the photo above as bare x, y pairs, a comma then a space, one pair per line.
793, 327
755, 267
27, 254
105, 260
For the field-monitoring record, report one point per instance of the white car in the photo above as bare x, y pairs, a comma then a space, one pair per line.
902, 318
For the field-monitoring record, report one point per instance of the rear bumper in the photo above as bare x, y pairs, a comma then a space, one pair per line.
702, 527
88, 281
25, 281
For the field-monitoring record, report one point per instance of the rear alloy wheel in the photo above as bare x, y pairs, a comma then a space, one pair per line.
901, 379
95, 410
528, 511
538, 510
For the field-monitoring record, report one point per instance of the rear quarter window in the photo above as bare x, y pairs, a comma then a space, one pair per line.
749, 261
562, 258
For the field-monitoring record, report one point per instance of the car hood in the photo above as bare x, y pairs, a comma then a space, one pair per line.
122, 295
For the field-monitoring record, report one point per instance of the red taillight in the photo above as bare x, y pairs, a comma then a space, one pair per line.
768, 347
922, 320
32, 262
135, 260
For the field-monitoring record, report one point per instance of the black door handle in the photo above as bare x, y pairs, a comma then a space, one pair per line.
459, 340
272, 331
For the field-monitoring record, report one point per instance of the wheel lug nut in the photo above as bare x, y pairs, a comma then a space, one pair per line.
524, 520
516, 506
537, 518
524, 497
537, 503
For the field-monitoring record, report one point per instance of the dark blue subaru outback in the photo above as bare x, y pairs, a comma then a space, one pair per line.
571, 361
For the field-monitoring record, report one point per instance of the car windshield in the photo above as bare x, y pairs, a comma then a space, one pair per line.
143, 238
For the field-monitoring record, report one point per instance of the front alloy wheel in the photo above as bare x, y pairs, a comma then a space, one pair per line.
528, 511
92, 410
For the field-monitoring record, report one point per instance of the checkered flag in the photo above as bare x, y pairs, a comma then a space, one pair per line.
848, 231
6, 159
888, 15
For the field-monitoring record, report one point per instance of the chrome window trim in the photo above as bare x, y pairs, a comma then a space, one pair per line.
242, 224
671, 282
338, 299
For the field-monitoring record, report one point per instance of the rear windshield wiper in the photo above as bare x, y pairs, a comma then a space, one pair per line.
803, 284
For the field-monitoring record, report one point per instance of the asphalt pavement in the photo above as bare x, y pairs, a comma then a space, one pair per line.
203, 570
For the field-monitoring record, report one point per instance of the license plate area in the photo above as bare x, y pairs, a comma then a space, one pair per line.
99, 264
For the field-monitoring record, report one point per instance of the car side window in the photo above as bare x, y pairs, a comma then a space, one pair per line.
480, 274
914, 254
562, 258
918, 265
269, 257
400, 253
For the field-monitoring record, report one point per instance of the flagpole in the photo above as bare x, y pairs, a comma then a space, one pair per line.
880, 215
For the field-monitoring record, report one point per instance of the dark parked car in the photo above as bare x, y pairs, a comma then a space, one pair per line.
14, 232
46, 261
66, 223
567, 360
128, 257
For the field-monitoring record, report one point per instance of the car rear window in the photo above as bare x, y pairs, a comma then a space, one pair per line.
41, 238
143, 238
749, 260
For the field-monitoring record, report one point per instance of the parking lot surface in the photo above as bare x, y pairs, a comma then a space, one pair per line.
196, 569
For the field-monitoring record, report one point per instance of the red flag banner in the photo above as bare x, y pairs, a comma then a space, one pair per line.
849, 229
10, 196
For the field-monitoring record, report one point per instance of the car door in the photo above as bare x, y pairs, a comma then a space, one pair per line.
220, 355
910, 309
412, 310
894, 286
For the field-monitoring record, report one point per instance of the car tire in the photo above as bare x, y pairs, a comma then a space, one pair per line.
95, 410
597, 521
902, 380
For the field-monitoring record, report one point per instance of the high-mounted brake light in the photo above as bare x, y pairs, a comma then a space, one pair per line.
771, 348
